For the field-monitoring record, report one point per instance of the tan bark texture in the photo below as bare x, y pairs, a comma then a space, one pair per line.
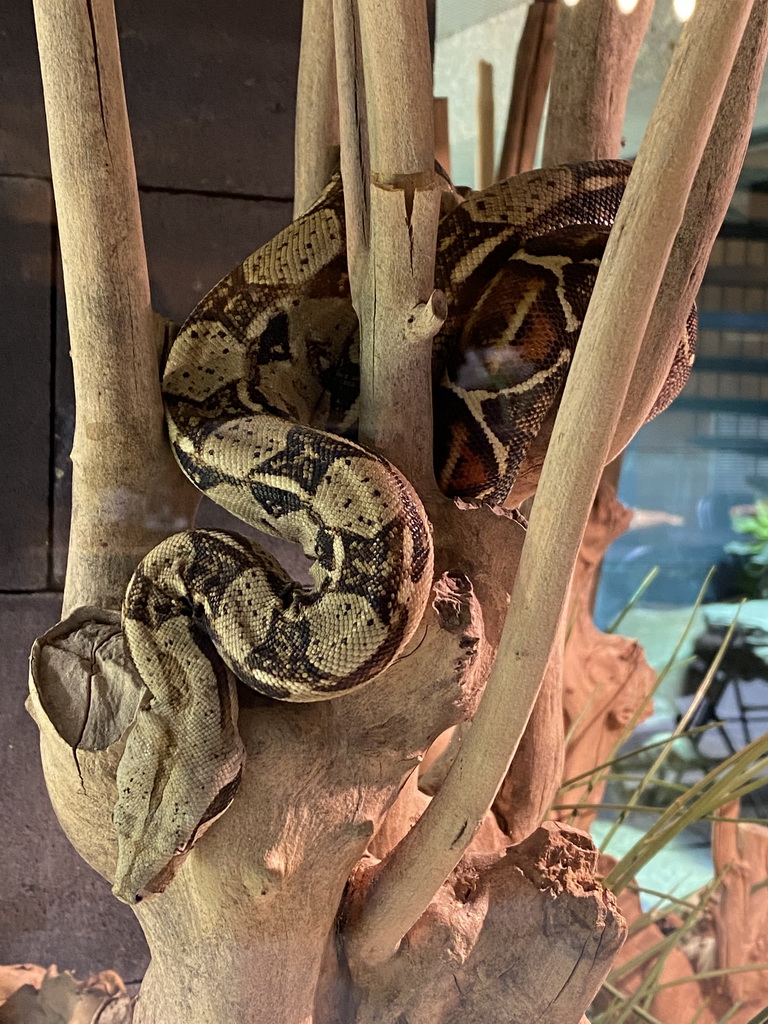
595, 52
507, 939
740, 853
128, 493
317, 119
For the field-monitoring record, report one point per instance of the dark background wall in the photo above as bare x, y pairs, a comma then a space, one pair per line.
211, 93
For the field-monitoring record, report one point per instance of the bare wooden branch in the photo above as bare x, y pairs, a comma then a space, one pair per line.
533, 70
599, 32
392, 212
485, 125
621, 305
128, 492
595, 54
317, 120
442, 136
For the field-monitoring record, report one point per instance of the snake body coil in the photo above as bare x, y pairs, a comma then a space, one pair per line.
261, 391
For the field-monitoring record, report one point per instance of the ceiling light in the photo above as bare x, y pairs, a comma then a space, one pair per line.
684, 8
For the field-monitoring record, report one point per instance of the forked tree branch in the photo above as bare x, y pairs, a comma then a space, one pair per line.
127, 492
621, 305
317, 121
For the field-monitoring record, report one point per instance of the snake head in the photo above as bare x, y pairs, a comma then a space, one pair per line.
144, 867
180, 770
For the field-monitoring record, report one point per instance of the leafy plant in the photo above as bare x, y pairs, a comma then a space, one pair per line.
754, 552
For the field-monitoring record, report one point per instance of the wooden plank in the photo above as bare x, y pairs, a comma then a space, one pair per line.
211, 93
23, 142
25, 339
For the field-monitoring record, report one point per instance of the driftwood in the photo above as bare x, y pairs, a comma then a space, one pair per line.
595, 53
740, 854
468, 938
16, 976
485, 126
606, 678
317, 121
533, 69
35, 995
251, 928
684, 1001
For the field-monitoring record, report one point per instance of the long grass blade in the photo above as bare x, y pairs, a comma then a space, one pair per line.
642, 1014
761, 1017
719, 973
576, 780
650, 577
682, 724
737, 775
730, 1014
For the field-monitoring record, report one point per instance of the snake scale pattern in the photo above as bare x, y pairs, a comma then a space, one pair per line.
261, 391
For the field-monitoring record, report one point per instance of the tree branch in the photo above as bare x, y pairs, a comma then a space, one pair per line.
486, 129
600, 34
533, 69
317, 119
621, 305
127, 491
595, 54
392, 214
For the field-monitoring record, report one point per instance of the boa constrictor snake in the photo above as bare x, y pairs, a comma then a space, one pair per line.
261, 389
